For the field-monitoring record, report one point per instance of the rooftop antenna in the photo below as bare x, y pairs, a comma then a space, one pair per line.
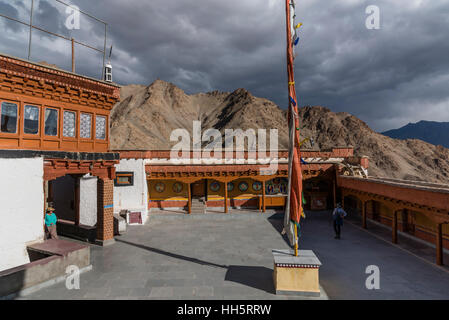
108, 68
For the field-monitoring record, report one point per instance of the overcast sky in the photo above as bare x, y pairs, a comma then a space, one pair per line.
387, 77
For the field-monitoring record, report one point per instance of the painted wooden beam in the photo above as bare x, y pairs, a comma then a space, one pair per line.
334, 193
439, 244
189, 191
226, 197
394, 227
364, 224
264, 205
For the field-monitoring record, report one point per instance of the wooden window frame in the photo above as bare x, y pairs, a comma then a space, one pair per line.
77, 121
124, 174
91, 125
56, 142
39, 108
11, 134
106, 129
58, 128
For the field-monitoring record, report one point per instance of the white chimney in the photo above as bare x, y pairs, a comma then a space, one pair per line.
108, 72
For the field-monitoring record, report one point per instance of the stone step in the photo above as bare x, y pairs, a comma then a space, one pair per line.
198, 206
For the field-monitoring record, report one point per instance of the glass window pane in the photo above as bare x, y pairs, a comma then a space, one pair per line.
31, 125
100, 130
9, 117
51, 122
124, 180
69, 127
86, 126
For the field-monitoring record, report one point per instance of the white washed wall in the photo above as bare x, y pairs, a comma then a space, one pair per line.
22, 209
134, 198
88, 200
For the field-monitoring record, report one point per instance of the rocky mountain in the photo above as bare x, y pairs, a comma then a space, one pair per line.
433, 132
404, 159
146, 116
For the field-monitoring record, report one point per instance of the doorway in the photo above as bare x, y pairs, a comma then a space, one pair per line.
199, 189
63, 197
408, 222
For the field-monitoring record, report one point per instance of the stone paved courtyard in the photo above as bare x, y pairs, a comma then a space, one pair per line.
183, 257
229, 257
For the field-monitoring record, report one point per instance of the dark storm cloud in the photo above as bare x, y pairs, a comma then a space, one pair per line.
387, 77
48, 17
10, 11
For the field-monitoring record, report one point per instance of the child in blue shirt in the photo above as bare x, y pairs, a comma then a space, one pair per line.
50, 224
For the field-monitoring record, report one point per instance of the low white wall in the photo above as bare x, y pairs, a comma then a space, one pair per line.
22, 209
88, 200
134, 198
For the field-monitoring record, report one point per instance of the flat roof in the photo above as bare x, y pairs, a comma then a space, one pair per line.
63, 155
59, 70
410, 184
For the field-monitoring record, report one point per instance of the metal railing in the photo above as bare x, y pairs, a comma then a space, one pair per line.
72, 40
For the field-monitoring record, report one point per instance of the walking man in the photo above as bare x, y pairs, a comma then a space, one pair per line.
338, 216
50, 224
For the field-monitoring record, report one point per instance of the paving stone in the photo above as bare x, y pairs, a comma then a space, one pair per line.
118, 292
205, 291
231, 291
229, 257
184, 291
150, 283
126, 283
94, 293
162, 292
101, 283
140, 292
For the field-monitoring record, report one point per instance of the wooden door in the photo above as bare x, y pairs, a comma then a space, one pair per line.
198, 189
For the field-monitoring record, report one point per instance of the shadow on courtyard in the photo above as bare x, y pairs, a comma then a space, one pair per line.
277, 221
255, 277
173, 255
260, 278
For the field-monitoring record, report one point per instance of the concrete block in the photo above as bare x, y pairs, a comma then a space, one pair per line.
296, 275
119, 224
105, 243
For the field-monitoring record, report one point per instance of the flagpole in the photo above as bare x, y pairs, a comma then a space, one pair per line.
296, 241
295, 200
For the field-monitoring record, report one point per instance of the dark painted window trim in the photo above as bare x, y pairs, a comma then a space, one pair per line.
116, 184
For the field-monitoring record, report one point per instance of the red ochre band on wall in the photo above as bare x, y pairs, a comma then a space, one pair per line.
297, 266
